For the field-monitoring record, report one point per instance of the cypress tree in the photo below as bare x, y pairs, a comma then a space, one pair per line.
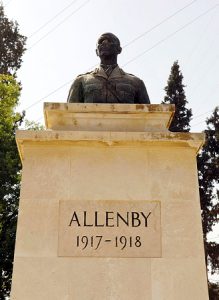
208, 173
11, 45
208, 166
175, 95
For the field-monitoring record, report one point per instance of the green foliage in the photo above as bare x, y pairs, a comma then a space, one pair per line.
31, 125
208, 171
11, 51
11, 45
9, 177
175, 95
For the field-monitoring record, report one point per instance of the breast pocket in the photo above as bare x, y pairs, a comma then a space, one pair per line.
126, 92
93, 93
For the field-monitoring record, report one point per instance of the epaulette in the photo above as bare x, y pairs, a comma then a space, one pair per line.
84, 74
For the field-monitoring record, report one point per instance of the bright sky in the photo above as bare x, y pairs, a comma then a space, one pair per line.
62, 37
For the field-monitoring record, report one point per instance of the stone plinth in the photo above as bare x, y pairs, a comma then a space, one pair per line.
121, 153
111, 117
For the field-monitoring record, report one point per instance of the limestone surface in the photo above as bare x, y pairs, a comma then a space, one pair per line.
117, 153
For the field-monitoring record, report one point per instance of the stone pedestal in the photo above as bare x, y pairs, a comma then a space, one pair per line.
92, 153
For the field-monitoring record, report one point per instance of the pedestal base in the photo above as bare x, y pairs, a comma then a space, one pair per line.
80, 165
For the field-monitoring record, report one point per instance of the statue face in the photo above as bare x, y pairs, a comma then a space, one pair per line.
107, 45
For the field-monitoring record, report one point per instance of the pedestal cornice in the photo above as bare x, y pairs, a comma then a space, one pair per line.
108, 117
106, 139
104, 125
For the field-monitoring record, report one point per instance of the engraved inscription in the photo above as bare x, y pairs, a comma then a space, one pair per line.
109, 228
111, 219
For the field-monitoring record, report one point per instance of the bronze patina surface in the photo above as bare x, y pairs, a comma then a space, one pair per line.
108, 83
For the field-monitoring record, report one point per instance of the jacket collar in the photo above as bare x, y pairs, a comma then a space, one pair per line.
116, 73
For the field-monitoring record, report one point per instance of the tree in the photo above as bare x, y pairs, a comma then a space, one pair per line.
11, 51
213, 291
9, 177
208, 165
175, 95
32, 125
11, 45
208, 172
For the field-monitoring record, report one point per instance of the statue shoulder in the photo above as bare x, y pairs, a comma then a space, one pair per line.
81, 76
133, 77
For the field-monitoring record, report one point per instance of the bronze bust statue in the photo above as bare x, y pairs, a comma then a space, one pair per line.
108, 83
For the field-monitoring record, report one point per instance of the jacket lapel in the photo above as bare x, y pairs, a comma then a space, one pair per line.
116, 73
100, 72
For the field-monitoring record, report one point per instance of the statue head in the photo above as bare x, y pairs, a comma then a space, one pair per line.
108, 45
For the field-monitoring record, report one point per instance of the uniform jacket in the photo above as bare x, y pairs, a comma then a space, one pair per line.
97, 87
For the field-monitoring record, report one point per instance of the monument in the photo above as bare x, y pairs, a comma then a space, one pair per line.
108, 83
109, 204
